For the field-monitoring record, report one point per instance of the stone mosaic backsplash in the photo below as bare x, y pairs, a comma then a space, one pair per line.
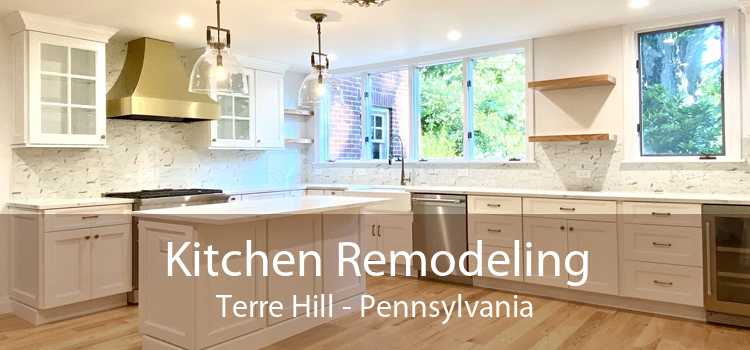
557, 167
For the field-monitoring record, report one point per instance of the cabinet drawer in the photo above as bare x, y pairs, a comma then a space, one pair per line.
495, 205
497, 230
510, 268
569, 208
666, 283
77, 218
662, 214
664, 244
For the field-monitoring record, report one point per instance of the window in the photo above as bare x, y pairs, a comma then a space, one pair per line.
345, 118
683, 96
682, 91
441, 109
471, 106
499, 107
389, 108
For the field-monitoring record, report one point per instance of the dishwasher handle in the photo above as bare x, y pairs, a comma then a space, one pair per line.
438, 201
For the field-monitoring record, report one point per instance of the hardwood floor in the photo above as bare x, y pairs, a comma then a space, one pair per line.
555, 325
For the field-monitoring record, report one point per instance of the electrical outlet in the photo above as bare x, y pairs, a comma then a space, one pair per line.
583, 174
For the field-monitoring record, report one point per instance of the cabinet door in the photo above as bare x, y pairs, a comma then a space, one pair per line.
341, 227
269, 110
600, 240
548, 235
67, 267
395, 234
235, 129
111, 260
67, 91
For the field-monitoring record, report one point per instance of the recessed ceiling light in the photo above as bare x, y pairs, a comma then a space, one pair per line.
638, 4
454, 35
185, 22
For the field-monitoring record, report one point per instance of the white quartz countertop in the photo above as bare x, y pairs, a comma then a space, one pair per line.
664, 197
235, 212
48, 204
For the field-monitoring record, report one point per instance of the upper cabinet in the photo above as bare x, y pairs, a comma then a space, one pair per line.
254, 121
59, 81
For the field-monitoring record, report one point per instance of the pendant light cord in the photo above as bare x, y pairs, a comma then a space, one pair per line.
218, 18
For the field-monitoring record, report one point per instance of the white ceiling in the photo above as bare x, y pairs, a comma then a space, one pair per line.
269, 29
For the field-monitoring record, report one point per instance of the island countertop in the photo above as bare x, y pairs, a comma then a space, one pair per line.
261, 209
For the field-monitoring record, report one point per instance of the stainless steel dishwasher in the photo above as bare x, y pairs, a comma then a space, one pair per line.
440, 225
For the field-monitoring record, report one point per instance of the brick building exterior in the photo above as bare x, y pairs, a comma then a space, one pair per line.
388, 90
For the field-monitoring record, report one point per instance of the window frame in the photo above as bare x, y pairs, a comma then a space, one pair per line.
733, 113
411, 65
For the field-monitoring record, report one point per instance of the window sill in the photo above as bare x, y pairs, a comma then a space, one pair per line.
345, 163
685, 161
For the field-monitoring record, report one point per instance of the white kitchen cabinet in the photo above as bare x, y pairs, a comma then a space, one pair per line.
599, 239
269, 110
59, 82
111, 260
69, 257
562, 236
252, 121
86, 264
546, 235
236, 126
67, 267
388, 233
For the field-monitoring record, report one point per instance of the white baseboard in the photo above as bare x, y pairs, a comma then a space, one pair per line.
5, 306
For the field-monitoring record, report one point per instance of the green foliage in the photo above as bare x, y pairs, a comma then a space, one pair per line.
499, 108
681, 81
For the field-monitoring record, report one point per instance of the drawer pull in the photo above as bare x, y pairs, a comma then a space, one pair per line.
90, 217
660, 214
567, 209
494, 230
490, 205
87, 238
663, 284
661, 245
372, 230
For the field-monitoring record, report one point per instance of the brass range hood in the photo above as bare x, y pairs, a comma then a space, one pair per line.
153, 85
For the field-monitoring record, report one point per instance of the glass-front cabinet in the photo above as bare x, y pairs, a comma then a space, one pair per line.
235, 129
254, 121
59, 88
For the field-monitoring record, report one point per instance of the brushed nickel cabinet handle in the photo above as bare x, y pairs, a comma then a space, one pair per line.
660, 214
708, 282
490, 205
90, 217
567, 209
379, 227
661, 245
663, 284
494, 230
372, 230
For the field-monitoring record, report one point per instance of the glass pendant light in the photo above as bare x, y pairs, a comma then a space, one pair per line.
217, 70
316, 84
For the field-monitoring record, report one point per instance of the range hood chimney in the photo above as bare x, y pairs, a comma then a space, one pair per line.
153, 86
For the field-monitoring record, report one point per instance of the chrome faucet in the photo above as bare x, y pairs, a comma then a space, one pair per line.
404, 179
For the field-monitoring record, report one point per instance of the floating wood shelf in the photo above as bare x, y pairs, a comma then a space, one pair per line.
298, 113
567, 138
573, 83
300, 141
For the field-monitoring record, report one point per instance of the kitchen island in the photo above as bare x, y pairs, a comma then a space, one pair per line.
195, 310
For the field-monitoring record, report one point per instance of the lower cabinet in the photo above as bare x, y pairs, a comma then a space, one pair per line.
86, 264
599, 239
661, 282
388, 233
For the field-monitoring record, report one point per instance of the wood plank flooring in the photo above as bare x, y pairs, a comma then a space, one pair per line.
556, 325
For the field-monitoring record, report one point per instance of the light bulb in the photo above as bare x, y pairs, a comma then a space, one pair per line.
320, 89
218, 73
